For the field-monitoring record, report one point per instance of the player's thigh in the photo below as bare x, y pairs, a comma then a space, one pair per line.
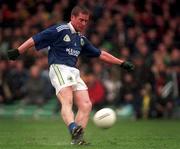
82, 99
65, 95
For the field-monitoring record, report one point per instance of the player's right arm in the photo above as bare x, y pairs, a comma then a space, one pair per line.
26, 45
39, 41
13, 54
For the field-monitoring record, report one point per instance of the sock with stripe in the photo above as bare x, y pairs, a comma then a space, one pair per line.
72, 126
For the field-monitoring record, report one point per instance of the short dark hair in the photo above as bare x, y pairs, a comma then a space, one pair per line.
80, 9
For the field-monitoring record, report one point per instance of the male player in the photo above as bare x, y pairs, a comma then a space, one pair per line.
65, 43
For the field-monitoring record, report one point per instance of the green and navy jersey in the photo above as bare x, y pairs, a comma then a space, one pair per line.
64, 44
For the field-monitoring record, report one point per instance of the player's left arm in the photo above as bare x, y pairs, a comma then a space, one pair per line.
91, 51
107, 57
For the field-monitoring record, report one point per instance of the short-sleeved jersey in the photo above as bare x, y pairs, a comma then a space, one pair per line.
64, 44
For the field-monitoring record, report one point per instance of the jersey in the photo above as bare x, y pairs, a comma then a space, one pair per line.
65, 44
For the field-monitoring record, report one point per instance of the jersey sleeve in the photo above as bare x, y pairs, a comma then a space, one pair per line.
89, 50
45, 38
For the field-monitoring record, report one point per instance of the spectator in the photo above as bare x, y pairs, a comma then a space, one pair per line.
5, 92
112, 85
96, 90
34, 90
17, 78
130, 95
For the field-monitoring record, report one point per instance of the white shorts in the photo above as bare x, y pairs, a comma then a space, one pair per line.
62, 76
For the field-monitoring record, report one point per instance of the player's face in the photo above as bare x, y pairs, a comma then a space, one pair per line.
80, 22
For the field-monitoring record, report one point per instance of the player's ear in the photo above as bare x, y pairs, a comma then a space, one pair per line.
72, 17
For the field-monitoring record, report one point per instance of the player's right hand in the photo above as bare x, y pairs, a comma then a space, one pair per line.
13, 54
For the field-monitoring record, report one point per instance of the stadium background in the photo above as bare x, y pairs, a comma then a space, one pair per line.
147, 101
146, 32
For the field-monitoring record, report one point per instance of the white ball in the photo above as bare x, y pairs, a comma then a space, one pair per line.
104, 118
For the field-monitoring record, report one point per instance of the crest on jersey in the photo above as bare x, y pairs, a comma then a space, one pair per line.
82, 42
66, 38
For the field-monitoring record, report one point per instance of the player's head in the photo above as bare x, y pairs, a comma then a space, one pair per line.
79, 18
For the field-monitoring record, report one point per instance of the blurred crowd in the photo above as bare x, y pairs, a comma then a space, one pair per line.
146, 32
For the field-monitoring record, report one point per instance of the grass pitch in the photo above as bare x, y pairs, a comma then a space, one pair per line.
52, 134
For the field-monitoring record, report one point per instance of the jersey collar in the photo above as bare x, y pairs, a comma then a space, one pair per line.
71, 28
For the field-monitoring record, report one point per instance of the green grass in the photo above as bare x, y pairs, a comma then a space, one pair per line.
52, 134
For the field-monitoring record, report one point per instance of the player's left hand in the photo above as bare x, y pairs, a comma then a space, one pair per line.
128, 66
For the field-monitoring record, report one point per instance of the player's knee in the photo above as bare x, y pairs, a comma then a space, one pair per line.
90, 105
87, 106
